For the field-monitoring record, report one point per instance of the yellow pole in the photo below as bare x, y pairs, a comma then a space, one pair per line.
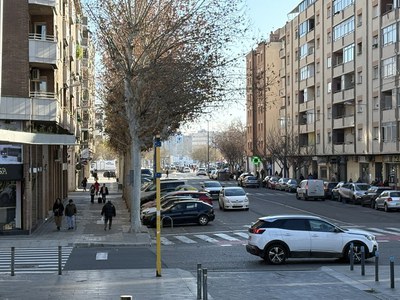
157, 175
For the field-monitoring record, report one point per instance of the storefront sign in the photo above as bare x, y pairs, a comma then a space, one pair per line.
11, 172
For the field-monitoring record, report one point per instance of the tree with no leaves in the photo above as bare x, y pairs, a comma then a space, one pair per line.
164, 62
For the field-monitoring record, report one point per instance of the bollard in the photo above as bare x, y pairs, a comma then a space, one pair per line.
351, 257
12, 261
125, 297
199, 273
392, 272
377, 266
59, 260
205, 293
362, 261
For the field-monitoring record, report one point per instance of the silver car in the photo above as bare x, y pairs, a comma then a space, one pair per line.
388, 200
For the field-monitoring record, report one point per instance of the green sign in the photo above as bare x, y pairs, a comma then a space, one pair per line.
256, 160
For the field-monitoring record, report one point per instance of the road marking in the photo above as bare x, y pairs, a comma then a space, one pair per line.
383, 231
165, 241
184, 239
206, 238
101, 256
394, 229
226, 237
242, 234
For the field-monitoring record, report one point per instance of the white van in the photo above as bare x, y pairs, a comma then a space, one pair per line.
311, 189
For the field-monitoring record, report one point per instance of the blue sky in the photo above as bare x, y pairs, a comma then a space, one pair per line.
264, 16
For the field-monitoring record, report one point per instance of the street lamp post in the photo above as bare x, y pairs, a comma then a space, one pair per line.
208, 145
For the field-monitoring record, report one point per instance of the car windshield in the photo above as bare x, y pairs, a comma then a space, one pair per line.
212, 184
362, 187
234, 192
395, 194
251, 178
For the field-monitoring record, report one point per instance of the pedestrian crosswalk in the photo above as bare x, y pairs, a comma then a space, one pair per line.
232, 238
33, 260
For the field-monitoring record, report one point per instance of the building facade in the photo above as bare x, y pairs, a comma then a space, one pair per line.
46, 97
340, 88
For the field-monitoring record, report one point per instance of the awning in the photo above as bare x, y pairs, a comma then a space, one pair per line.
20, 137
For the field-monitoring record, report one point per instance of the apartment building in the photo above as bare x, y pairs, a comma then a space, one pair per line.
340, 88
46, 89
262, 100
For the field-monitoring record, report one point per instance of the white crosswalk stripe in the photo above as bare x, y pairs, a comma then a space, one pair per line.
226, 237
394, 229
165, 241
378, 231
33, 260
184, 239
242, 234
206, 238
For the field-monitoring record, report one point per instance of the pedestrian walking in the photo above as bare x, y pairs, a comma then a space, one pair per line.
92, 193
58, 211
97, 186
108, 212
104, 192
166, 172
70, 212
84, 184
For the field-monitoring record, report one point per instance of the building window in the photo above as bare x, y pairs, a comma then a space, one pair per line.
329, 62
318, 138
329, 137
375, 102
339, 5
389, 35
306, 27
375, 133
375, 42
388, 131
348, 53
359, 77
329, 112
329, 87
307, 72
318, 42
303, 51
360, 134
318, 91
375, 11
359, 20
375, 72
344, 28
318, 67
389, 67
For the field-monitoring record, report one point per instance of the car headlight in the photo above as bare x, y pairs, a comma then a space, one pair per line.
370, 237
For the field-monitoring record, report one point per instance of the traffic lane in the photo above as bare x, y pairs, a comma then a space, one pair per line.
336, 211
236, 258
98, 258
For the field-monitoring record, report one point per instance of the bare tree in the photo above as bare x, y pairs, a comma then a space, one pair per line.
164, 61
232, 144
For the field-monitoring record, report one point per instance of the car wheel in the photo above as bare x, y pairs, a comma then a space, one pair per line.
372, 204
219, 204
340, 199
275, 254
356, 252
376, 206
386, 208
203, 220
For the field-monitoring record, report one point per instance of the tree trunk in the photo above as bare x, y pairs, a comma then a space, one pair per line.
135, 189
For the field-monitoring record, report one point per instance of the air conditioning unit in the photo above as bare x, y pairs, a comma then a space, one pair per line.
35, 74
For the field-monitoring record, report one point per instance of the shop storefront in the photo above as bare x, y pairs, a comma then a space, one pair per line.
11, 175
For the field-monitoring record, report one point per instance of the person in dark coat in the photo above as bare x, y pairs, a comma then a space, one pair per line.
108, 212
70, 212
104, 192
84, 184
58, 211
92, 193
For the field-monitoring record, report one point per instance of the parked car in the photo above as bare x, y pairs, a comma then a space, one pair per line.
271, 183
186, 187
388, 200
291, 185
265, 180
353, 192
251, 181
166, 201
242, 177
213, 174
213, 188
281, 184
149, 192
373, 192
182, 212
233, 197
328, 186
109, 174
311, 189
277, 238
202, 196
335, 191
186, 170
201, 171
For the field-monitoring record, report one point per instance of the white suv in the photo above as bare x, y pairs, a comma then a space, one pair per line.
276, 238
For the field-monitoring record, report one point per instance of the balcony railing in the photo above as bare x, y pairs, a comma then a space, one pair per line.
43, 49
40, 107
44, 2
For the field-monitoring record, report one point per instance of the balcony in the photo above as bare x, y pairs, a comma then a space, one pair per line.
347, 121
40, 107
51, 3
43, 49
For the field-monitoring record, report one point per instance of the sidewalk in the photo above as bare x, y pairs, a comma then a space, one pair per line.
333, 282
